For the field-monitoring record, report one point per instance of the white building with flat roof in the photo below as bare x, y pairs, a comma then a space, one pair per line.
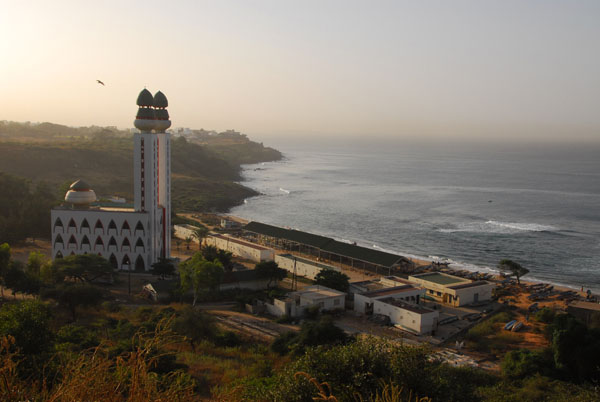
453, 290
399, 300
296, 303
129, 237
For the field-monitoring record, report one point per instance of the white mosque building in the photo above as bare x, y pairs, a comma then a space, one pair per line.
130, 238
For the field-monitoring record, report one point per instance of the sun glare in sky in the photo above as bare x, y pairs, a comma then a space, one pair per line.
469, 69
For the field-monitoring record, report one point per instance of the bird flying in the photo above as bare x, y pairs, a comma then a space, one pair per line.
100, 82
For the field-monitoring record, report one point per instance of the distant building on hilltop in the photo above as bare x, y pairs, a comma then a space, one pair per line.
132, 237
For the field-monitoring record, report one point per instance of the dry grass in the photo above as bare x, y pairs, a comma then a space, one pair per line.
94, 376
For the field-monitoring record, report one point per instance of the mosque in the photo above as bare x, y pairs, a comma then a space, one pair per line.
130, 238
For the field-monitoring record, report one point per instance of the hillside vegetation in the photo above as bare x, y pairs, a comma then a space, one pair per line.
204, 171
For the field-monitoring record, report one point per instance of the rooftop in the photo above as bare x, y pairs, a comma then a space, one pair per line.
317, 292
469, 285
415, 308
327, 244
584, 305
441, 279
368, 285
390, 291
94, 208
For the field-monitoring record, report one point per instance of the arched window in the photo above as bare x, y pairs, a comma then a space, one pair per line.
139, 264
99, 242
85, 241
139, 226
113, 261
112, 228
59, 239
125, 226
59, 255
72, 241
85, 224
140, 243
127, 244
126, 262
112, 242
99, 225
58, 223
72, 224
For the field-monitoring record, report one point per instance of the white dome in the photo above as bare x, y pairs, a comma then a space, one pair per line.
80, 197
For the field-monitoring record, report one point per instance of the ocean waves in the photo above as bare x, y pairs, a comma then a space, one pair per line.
498, 227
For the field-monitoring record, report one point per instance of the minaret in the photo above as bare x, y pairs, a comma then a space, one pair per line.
164, 167
152, 171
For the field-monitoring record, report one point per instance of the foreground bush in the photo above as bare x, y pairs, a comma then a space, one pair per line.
96, 377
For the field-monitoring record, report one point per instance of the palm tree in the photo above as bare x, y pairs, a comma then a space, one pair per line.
188, 240
199, 234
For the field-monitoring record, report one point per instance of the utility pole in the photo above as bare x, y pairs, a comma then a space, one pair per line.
294, 277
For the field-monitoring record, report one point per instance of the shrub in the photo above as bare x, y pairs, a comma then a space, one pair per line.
545, 315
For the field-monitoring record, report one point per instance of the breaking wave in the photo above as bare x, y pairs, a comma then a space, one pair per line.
499, 227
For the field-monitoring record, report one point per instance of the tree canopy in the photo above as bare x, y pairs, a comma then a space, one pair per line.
73, 295
84, 267
162, 267
194, 325
514, 268
333, 279
271, 271
28, 322
212, 253
199, 234
197, 273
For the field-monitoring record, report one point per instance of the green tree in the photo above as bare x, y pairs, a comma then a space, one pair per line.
18, 280
199, 234
333, 279
74, 295
514, 268
84, 267
523, 363
195, 326
164, 266
28, 322
212, 253
576, 349
35, 261
271, 271
188, 240
197, 273
312, 333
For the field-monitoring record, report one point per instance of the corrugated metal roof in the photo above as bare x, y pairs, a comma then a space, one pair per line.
362, 253
327, 244
288, 234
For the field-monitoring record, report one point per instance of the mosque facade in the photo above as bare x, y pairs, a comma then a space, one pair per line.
129, 238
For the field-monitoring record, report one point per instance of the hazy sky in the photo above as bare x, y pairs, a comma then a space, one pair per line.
484, 69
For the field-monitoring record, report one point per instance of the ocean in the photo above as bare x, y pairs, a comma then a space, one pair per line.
470, 206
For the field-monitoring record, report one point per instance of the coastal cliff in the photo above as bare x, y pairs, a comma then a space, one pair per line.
206, 166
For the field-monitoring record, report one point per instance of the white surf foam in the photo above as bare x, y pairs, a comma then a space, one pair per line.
283, 190
492, 226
